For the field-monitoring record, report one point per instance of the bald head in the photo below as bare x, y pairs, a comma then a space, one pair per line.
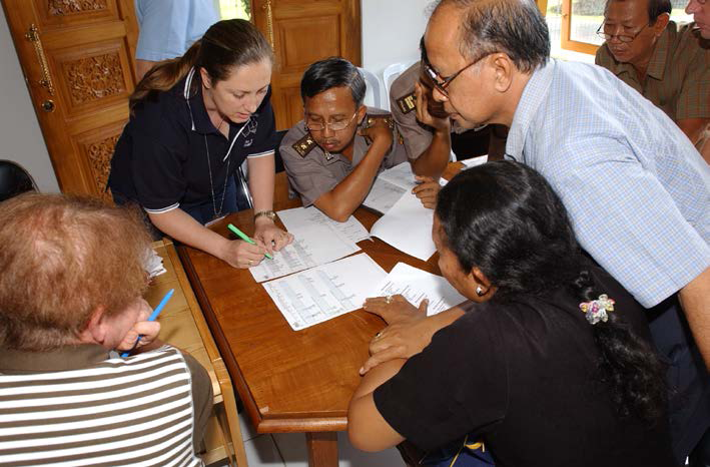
513, 27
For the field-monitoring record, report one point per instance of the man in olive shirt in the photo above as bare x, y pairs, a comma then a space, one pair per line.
333, 156
667, 63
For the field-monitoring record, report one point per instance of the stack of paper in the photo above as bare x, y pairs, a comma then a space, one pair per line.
322, 293
298, 219
416, 285
153, 264
407, 227
314, 245
389, 187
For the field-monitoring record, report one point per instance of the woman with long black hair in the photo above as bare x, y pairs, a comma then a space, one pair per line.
194, 121
550, 365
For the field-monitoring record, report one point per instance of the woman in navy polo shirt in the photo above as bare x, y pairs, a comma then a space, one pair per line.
194, 121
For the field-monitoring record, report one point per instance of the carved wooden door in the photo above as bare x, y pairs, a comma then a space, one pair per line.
77, 57
302, 32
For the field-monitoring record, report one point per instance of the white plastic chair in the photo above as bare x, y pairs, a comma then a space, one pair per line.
373, 96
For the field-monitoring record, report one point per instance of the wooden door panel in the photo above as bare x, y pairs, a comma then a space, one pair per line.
299, 47
85, 48
305, 31
92, 75
96, 149
63, 12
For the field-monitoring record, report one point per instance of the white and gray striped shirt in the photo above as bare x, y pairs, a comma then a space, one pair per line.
137, 411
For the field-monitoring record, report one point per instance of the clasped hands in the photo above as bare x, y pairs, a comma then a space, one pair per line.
406, 334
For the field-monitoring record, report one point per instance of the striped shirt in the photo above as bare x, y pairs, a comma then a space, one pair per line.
137, 411
678, 76
636, 190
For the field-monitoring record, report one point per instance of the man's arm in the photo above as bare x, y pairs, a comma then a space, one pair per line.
143, 67
340, 202
432, 162
695, 300
694, 128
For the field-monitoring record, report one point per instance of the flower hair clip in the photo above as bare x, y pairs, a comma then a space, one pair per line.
596, 310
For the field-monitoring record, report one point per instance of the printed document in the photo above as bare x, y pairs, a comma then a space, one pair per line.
416, 285
407, 227
314, 245
325, 292
298, 219
389, 187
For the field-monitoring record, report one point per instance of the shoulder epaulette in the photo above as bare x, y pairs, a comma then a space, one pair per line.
372, 119
407, 103
304, 145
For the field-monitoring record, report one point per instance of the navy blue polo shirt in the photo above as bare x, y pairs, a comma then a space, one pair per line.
160, 162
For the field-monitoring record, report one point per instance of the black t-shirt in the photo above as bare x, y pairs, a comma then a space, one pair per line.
519, 375
160, 161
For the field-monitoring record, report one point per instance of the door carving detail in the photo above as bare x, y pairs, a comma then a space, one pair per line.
68, 7
99, 155
94, 78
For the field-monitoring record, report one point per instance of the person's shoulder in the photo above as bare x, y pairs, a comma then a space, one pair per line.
403, 85
687, 38
297, 142
375, 115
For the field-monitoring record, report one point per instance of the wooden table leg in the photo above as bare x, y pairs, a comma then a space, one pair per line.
322, 449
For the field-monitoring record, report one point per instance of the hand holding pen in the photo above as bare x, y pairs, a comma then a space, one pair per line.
145, 330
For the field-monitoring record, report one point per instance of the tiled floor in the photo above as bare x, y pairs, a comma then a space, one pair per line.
289, 450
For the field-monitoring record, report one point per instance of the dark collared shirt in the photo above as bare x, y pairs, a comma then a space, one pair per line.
161, 162
678, 76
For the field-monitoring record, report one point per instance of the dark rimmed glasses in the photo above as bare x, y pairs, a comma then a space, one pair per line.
625, 38
443, 82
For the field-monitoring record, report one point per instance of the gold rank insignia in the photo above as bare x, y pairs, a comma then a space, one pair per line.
372, 119
407, 103
304, 145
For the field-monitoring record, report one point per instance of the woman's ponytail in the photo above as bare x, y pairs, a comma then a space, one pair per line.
629, 367
164, 75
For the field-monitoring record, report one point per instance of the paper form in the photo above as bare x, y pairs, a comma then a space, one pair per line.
325, 292
416, 285
407, 227
389, 187
474, 161
400, 175
314, 245
297, 219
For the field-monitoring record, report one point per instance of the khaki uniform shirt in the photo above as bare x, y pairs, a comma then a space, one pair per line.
678, 75
312, 172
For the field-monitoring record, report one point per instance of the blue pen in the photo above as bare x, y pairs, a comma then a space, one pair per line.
152, 317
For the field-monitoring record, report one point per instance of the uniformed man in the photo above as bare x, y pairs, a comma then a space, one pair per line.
669, 64
333, 156
428, 133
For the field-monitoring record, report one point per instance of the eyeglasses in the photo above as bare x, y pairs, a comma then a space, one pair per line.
625, 38
335, 126
442, 82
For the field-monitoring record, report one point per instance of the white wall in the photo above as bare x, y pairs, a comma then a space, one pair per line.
20, 137
391, 30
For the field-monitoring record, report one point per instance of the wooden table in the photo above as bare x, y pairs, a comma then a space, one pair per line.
289, 381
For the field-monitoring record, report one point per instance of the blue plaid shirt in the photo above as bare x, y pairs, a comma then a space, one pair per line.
637, 191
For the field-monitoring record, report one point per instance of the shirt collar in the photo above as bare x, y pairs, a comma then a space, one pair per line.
203, 124
657, 65
69, 357
534, 94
